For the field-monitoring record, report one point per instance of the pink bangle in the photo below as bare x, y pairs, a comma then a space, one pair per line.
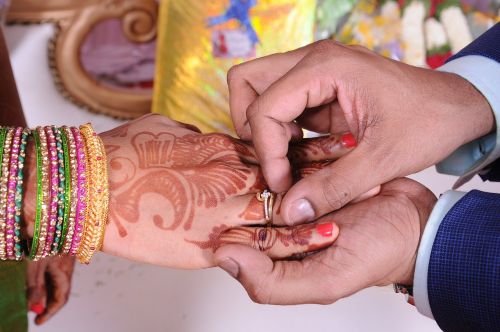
53, 191
73, 197
82, 191
3, 190
11, 194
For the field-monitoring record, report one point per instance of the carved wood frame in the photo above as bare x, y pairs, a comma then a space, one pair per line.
74, 20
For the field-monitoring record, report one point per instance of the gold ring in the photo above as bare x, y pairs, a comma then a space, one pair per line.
267, 197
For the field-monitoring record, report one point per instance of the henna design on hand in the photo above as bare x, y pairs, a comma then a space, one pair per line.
123, 171
153, 150
254, 210
330, 147
110, 148
193, 171
164, 183
214, 240
304, 170
262, 238
320, 146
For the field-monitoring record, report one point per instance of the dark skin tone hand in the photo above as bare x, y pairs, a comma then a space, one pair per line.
49, 285
49, 280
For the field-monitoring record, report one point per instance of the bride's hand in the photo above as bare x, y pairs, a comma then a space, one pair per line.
176, 195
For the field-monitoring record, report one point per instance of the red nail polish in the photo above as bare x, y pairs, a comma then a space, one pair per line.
348, 140
325, 229
37, 308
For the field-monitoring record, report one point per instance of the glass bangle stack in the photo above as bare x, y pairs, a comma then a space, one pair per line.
72, 192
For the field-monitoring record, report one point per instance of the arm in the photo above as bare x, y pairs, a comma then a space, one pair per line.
176, 194
44, 301
478, 63
272, 96
457, 278
12, 112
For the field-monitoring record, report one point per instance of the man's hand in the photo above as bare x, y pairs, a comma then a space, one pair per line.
377, 245
49, 286
403, 118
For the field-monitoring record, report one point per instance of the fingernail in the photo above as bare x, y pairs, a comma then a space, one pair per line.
37, 308
326, 229
301, 211
230, 266
348, 140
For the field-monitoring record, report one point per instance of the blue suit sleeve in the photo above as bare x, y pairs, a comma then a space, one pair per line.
463, 278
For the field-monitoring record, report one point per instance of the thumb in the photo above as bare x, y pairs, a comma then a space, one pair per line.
280, 282
332, 187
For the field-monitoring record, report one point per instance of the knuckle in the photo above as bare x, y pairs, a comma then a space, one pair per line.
240, 131
358, 48
264, 238
262, 291
326, 295
333, 195
324, 300
252, 110
234, 74
260, 294
330, 293
326, 45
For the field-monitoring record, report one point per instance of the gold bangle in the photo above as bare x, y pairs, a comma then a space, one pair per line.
98, 195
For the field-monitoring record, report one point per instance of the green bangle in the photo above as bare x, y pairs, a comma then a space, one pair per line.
3, 134
19, 192
3, 137
67, 188
60, 191
39, 196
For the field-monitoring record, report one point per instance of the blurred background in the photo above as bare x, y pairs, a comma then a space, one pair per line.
108, 61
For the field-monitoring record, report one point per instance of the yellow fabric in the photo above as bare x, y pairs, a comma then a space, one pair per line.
193, 57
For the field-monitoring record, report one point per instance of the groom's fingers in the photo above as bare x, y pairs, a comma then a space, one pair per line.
280, 282
282, 242
253, 211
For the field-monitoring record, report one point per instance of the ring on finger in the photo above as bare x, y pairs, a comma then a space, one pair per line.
267, 197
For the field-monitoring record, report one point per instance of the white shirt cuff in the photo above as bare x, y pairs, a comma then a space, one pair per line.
442, 207
484, 74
